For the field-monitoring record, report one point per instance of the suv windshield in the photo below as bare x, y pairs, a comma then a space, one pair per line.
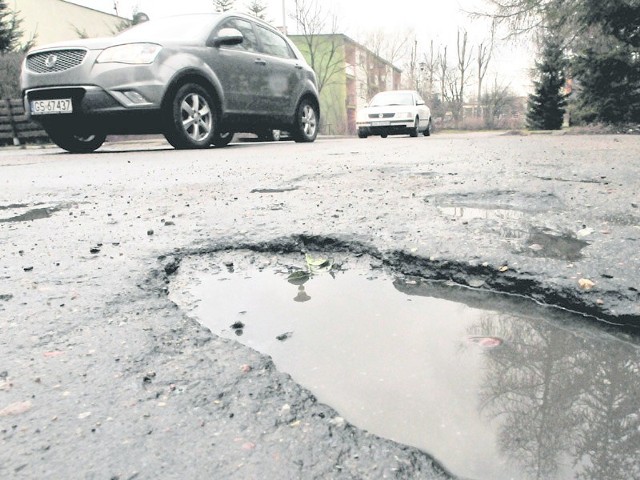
181, 27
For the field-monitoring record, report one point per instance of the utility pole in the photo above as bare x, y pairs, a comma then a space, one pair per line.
284, 18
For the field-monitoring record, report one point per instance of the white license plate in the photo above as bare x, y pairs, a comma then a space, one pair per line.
45, 107
380, 124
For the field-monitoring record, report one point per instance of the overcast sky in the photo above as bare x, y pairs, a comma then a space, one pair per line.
436, 20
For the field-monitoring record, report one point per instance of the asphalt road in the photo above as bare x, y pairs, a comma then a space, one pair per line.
102, 376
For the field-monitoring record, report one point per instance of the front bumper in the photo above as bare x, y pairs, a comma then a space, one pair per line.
93, 106
391, 127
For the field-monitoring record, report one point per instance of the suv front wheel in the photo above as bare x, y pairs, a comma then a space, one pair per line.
305, 128
191, 118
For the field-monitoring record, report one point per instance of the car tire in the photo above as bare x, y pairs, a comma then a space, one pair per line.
191, 118
383, 135
427, 132
362, 134
305, 127
85, 142
414, 131
222, 139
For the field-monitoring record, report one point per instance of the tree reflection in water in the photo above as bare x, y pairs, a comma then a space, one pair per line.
564, 400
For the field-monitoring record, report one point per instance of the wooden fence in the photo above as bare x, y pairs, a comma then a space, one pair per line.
15, 128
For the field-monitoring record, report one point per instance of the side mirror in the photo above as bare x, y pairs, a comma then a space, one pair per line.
228, 36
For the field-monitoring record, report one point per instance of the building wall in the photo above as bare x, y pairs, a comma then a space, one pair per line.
360, 75
56, 20
333, 96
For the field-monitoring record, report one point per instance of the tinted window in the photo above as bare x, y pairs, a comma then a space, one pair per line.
274, 44
250, 42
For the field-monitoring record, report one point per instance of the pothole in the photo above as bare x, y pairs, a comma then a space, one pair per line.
492, 387
28, 214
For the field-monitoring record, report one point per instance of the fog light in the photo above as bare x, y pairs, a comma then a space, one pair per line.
135, 97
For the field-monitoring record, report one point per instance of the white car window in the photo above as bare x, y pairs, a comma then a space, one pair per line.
392, 98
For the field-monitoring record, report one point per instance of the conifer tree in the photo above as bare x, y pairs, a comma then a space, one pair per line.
10, 32
257, 8
223, 5
547, 104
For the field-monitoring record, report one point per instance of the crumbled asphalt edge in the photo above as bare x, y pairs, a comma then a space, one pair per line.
512, 282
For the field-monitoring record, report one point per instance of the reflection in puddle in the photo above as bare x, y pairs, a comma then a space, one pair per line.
549, 245
492, 394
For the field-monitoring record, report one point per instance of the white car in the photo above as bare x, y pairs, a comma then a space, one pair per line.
395, 112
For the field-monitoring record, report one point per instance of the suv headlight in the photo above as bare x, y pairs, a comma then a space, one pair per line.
133, 53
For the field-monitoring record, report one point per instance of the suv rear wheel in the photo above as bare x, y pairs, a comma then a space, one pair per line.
222, 139
75, 142
191, 118
305, 128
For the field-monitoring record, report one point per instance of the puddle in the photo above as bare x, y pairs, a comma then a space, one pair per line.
491, 388
499, 200
554, 245
32, 214
466, 213
507, 213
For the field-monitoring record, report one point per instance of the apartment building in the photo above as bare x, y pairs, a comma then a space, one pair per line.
349, 74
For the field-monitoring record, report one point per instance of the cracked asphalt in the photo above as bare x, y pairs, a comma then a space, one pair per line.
102, 376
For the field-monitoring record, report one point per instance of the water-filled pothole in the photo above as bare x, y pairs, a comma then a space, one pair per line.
493, 388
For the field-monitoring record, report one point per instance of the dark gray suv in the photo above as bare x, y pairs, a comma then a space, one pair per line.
197, 79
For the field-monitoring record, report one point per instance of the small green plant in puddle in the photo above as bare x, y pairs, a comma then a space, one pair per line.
314, 265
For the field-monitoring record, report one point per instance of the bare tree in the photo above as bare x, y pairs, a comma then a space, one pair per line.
414, 73
523, 17
389, 46
429, 67
500, 105
443, 73
464, 62
318, 28
485, 51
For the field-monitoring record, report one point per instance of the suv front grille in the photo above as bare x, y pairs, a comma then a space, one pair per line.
55, 60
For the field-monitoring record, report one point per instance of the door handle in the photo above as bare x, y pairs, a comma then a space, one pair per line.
298, 66
260, 61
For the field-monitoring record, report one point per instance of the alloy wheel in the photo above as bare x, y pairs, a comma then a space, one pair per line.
197, 118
